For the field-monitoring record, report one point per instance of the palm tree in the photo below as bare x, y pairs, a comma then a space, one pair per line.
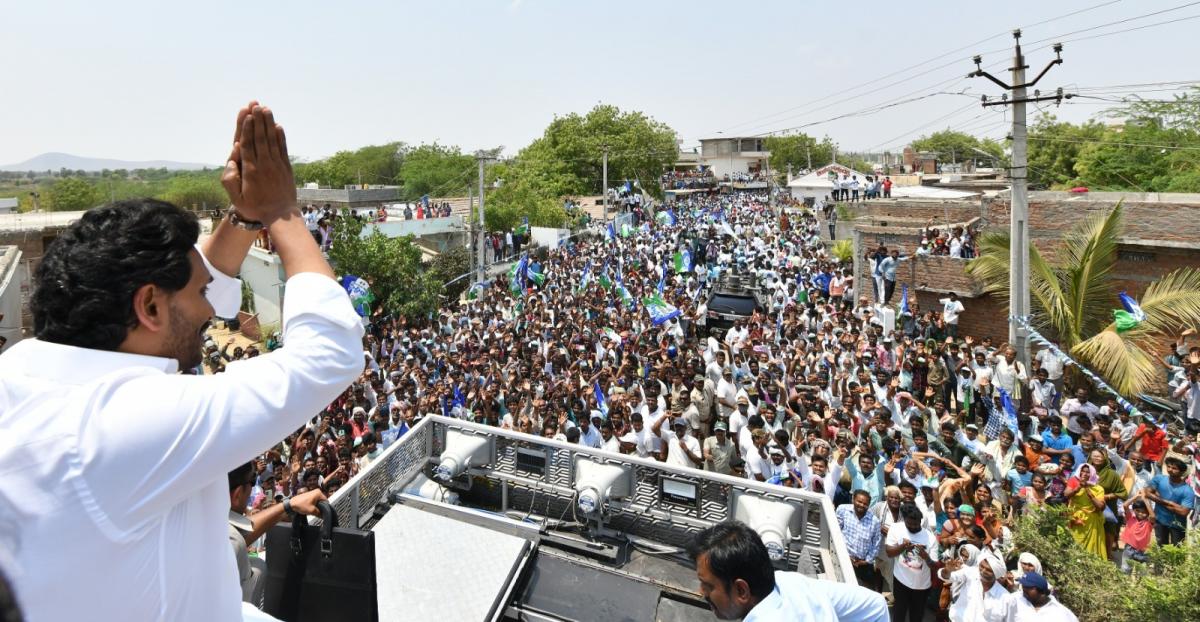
1073, 299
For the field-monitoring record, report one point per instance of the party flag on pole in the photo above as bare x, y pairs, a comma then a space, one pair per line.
1131, 316
660, 311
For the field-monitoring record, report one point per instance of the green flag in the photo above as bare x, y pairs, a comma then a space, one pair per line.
801, 295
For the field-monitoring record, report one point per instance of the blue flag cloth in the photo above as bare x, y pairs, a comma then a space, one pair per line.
459, 400
1010, 411
904, 300
624, 294
517, 276
671, 219
601, 402
612, 232
587, 276
660, 311
360, 294
662, 280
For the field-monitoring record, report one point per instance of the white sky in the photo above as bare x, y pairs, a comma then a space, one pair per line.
162, 80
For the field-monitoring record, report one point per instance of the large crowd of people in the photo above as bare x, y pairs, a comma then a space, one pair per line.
904, 427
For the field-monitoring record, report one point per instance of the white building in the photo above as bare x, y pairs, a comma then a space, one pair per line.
726, 156
8, 205
13, 278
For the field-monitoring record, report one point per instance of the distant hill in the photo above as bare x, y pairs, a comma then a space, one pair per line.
56, 161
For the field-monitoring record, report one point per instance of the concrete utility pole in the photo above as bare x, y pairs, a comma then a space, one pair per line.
482, 275
478, 231
808, 152
1018, 284
604, 180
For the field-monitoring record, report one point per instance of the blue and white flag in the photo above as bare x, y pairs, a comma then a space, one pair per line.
587, 277
671, 219
624, 294
662, 280
612, 232
904, 300
660, 311
360, 293
1010, 411
601, 402
517, 275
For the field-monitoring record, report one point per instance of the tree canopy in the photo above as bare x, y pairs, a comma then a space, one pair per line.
1154, 148
567, 160
958, 146
392, 266
794, 150
435, 170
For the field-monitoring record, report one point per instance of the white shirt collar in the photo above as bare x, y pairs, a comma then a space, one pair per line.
43, 359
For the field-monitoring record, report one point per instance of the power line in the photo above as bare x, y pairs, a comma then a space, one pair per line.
1118, 144
871, 83
1059, 37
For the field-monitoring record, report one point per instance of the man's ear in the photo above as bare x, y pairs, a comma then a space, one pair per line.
740, 591
150, 308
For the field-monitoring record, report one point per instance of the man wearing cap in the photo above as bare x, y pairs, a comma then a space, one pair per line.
680, 448
1033, 603
719, 450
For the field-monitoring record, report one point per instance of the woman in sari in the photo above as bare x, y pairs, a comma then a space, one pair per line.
1085, 505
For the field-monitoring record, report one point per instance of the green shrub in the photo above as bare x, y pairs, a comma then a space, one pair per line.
1168, 588
843, 250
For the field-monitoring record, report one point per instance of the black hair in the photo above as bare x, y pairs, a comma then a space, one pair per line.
10, 611
910, 510
1177, 462
241, 476
756, 421
573, 435
907, 484
83, 289
735, 551
862, 492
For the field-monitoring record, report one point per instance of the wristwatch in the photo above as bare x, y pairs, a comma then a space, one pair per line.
287, 507
241, 223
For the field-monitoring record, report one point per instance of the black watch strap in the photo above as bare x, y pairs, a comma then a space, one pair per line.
242, 223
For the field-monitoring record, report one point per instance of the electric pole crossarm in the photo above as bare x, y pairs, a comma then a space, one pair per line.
1018, 281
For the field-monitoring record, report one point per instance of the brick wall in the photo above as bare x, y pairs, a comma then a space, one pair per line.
984, 316
923, 211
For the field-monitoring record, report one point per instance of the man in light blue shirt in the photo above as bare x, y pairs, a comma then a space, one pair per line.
738, 582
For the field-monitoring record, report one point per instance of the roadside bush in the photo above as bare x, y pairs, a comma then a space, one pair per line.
1166, 589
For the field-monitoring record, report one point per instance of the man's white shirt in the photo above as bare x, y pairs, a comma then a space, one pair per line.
116, 467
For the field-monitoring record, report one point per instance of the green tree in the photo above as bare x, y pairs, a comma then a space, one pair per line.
1073, 299
392, 266
567, 160
448, 266
70, 194
436, 170
195, 190
373, 164
1054, 148
957, 146
795, 150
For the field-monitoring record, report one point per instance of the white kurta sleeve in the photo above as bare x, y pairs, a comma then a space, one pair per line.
159, 438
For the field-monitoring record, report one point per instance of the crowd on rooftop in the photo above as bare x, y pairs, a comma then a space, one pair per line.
929, 443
